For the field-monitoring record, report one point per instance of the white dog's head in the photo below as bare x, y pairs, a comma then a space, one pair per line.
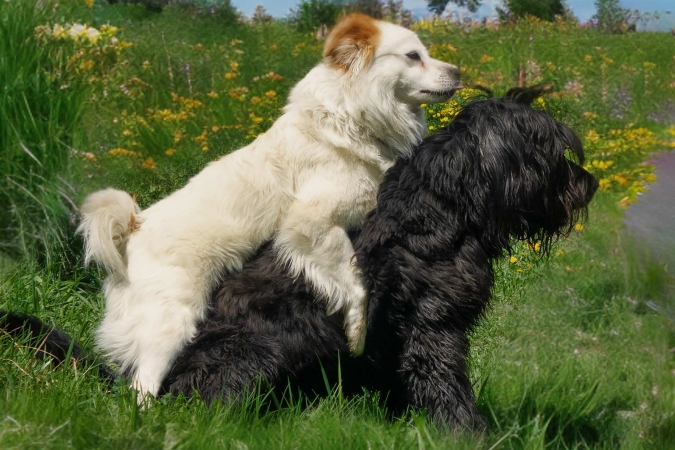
392, 57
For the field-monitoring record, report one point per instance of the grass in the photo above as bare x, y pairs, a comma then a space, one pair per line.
575, 351
37, 123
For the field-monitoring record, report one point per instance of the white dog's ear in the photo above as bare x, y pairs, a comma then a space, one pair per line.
351, 45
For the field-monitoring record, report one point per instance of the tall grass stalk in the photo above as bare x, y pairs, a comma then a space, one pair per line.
39, 117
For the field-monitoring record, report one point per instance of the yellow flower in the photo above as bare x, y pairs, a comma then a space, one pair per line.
86, 65
199, 47
255, 100
146, 64
121, 152
513, 259
431, 127
649, 177
108, 30
537, 246
89, 3
604, 183
623, 181
588, 58
625, 202
149, 163
590, 115
578, 226
170, 151
592, 136
215, 128
59, 31
486, 58
213, 94
270, 94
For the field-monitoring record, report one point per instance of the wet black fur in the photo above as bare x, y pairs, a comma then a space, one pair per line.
499, 171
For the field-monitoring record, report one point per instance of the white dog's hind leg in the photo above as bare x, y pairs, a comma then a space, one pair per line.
149, 321
160, 337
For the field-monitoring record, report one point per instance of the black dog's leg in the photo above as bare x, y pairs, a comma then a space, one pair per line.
434, 370
225, 367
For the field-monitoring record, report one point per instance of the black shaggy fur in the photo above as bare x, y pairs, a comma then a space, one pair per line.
443, 216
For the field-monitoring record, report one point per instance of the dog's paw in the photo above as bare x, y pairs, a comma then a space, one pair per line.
356, 335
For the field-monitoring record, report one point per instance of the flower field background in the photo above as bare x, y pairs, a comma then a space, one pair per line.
577, 350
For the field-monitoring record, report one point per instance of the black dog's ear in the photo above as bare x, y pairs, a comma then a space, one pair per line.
527, 95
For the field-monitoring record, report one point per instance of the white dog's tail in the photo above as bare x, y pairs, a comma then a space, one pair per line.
108, 218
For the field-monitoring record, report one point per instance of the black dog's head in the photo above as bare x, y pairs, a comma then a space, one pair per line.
517, 171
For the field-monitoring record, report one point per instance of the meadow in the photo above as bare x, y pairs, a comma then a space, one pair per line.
577, 350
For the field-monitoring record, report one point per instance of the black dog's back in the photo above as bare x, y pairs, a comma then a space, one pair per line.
263, 323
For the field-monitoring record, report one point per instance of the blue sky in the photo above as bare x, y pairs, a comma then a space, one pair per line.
583, 9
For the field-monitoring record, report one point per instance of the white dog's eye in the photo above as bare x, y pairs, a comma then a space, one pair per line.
414, 56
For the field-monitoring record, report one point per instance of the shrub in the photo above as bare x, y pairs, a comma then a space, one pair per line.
543, 9
310, 15
611, 17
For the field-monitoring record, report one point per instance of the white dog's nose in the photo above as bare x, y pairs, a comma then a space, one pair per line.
453, 71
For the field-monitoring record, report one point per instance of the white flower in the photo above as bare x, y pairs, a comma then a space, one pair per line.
93, 35
76, 30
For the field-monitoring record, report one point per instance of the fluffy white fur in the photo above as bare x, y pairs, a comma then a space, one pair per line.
313, 175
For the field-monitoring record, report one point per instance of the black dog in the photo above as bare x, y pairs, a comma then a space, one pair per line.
443, 216
498, 172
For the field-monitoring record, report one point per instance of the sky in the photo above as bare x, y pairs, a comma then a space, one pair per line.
583, 9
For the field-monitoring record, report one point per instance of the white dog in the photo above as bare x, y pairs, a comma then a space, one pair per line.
313, 175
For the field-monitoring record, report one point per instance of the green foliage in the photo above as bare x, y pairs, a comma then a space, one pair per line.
373, 8
310, 15
438, 6
611, 17
541, 9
